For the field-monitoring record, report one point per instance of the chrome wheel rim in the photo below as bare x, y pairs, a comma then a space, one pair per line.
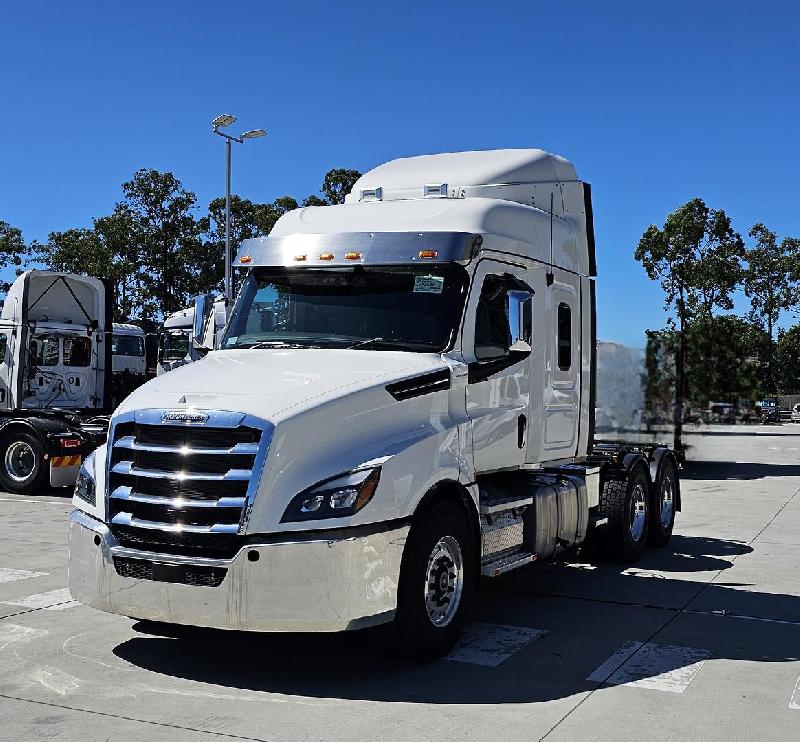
638, 512
666, 502
20, 461
444, 581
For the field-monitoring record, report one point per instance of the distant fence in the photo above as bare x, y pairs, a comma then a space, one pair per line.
787, 401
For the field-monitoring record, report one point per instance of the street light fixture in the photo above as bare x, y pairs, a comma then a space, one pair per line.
220, 122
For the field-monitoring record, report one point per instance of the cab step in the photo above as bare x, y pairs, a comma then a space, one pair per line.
507, 563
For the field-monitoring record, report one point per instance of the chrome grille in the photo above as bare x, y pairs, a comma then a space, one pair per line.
183, 487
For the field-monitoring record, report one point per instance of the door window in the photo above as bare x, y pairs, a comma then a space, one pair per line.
492, 333
77, 351
3, 347
564, 336
44, 350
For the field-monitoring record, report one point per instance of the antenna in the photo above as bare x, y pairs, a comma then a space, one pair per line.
550, 276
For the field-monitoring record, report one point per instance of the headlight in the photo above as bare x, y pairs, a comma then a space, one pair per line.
84, 487
334, 498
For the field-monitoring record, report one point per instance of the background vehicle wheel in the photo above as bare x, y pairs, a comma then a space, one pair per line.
662, 504
625, 502
22, 464
436, 588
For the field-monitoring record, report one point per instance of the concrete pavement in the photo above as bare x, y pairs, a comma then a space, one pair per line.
697, 641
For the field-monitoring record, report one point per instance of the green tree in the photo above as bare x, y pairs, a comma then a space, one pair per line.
336, 184
696, 256
12, 250
787, 361
248, 220
771, 284
167, 239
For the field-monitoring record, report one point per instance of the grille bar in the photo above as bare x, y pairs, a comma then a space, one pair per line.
129, 468
128, 493
126, 519
130, 443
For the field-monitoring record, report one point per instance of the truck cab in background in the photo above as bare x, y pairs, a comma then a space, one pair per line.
129, 361
176, 345
403, 401
55, 362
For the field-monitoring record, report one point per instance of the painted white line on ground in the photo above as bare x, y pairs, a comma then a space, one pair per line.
10, 633
490, 644
664, 667
54, 600
794, 701
34, 502
12, 575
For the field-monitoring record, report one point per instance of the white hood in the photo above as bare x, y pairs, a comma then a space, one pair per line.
268, 382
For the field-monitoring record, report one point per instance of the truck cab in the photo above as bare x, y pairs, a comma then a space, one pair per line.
176, 346
402, 402
54, 355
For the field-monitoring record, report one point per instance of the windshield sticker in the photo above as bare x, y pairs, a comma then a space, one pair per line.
428, 284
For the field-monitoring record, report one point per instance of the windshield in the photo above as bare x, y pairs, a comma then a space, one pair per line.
175, 344
127, 345
404, 307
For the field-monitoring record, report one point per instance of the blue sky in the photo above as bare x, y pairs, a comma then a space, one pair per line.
655, 103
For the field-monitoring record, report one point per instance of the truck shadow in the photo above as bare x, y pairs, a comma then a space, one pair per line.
722, 470
582, 632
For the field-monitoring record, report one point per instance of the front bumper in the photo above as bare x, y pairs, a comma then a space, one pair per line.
299, 584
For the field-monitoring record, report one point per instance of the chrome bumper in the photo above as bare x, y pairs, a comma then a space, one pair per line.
326, 584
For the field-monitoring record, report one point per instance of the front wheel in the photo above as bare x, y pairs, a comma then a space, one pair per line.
22, 464
436, 586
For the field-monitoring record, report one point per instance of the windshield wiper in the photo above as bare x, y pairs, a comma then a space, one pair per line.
391, 341
278, 344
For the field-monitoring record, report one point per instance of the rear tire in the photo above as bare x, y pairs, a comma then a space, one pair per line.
22, 464
662, 504
436, 586
625, 502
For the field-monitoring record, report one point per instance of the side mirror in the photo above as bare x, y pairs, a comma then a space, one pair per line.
203, 306
520, 320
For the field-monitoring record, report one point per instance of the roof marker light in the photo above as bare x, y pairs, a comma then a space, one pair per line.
300, 258
428, 254
246, 259
352, 256
327, 256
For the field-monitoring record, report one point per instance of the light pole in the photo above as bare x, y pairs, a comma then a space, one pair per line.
220, 122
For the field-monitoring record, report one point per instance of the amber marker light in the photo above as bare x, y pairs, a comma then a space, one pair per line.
428, 254
326, 256
246, 259
352, 256
299, 258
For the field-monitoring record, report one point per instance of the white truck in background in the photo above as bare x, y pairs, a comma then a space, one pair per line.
54, 395
403, 401
176, 347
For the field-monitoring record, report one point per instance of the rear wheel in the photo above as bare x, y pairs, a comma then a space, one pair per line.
22, 464
662, 504
625, 502
436, 586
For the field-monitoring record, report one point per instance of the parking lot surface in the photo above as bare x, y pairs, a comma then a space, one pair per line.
697, 641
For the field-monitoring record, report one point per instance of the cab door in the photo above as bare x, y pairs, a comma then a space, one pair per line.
498, 389
563, 381
6, 366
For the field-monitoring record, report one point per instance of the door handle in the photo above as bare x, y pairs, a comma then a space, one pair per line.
522, 425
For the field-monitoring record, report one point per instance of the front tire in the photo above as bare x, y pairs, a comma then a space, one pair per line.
436, 587
22, 464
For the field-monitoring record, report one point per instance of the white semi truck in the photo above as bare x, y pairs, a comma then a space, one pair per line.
176, 346
402, 402
53, 370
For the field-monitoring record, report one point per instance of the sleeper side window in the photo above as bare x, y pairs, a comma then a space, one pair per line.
492, 333
3, 346
564, 336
